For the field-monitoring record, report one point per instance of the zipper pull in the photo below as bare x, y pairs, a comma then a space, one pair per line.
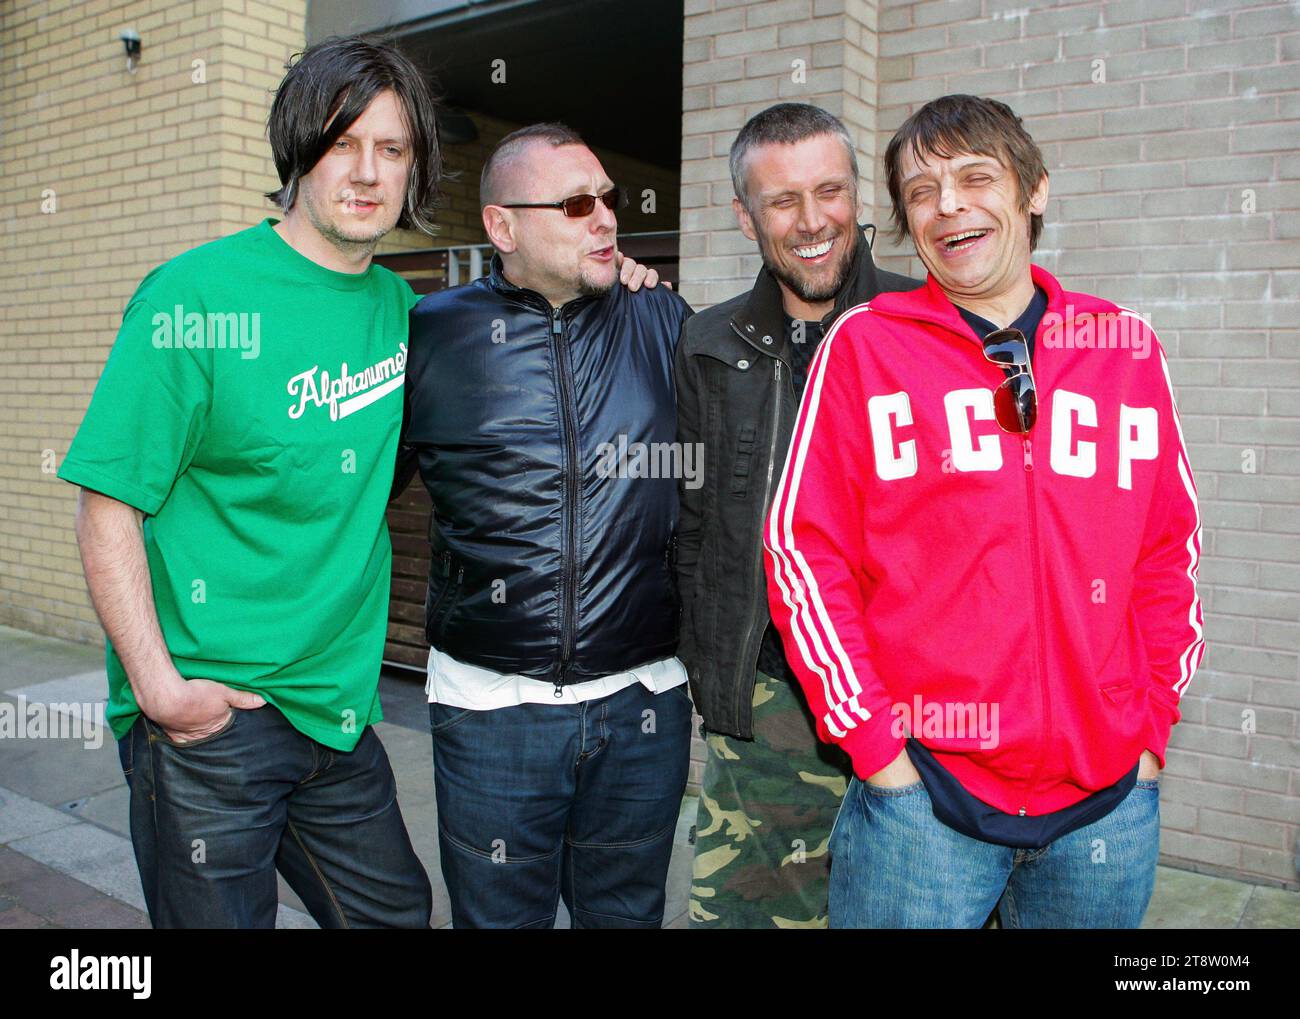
1029, 455
556, 326
778, 369
564, 669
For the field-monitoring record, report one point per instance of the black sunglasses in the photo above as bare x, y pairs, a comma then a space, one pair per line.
578, 205
1015, 402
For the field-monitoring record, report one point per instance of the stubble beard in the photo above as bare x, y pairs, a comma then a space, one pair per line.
588, 287
349, 245
806, 289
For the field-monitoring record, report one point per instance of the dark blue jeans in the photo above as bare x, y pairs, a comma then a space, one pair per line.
540, 801
213, 820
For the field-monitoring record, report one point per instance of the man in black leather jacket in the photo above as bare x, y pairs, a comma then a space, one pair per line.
771, 789
540, 409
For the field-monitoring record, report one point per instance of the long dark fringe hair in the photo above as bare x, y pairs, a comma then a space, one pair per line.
329, 86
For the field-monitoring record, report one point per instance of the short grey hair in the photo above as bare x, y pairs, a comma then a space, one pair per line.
785, 124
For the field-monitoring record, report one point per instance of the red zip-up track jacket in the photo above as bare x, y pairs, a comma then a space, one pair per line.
924, 564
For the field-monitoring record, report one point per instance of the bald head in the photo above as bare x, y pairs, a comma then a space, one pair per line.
509, 168
540, 247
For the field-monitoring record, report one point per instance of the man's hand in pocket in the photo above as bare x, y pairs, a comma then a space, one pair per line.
195, 708
899, 772
1148, 767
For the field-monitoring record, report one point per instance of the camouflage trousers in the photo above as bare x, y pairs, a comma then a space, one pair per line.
765, 816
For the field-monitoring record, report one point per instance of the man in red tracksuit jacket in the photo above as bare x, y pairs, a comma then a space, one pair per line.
982, 560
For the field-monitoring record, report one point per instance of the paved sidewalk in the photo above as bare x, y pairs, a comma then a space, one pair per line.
65, 854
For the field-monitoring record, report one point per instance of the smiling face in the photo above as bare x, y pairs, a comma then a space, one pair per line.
560, 257
802, 211
966, 219
354, 193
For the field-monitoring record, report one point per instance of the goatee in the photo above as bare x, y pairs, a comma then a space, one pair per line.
587, 287
809, 290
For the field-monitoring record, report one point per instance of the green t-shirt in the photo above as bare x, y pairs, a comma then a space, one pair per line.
250, 408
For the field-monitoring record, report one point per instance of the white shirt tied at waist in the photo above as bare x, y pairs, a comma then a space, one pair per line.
460, 685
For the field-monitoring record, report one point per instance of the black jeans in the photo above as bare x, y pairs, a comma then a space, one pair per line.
213, 820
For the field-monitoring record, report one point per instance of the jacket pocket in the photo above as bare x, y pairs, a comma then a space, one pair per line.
441, 607
740, 470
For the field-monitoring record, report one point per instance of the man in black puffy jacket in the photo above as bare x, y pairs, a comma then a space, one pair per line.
540, 411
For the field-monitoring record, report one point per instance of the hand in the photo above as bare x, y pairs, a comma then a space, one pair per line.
632, 274
899, 772
192, 709
1148, 766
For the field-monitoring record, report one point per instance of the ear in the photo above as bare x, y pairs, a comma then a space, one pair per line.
500, 228
1038, 200
743, 219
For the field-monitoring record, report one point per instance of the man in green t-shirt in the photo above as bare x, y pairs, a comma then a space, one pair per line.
235, 464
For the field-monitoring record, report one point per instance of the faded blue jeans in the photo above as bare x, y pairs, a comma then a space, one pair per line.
894, 864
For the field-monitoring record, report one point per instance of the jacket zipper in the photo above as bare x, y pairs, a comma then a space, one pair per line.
448, 598
433, 625
568, 578
1038, 615
454, 601
761, 613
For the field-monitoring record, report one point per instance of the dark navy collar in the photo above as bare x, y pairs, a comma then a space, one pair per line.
1027, 321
